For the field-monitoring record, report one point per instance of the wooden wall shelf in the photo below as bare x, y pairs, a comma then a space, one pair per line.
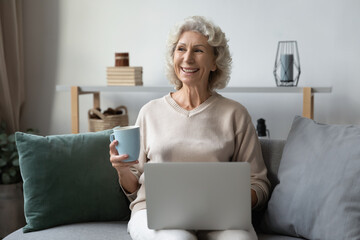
76, 91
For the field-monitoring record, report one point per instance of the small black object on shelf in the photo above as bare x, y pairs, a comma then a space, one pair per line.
261, 128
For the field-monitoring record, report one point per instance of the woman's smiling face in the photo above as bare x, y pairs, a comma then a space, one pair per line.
194, 59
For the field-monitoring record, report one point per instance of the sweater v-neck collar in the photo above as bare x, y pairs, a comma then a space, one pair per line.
194, 111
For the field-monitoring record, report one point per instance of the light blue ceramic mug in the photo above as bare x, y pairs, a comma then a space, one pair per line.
128, 141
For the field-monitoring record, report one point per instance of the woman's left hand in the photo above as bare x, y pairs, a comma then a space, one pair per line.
254, 198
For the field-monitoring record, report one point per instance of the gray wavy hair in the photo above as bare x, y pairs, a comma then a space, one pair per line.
216, 38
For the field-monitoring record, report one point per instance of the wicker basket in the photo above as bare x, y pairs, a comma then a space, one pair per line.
109, 121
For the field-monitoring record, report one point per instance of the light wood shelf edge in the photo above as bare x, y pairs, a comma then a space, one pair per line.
89, 89
76, 91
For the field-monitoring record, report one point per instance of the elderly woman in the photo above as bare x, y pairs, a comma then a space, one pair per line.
194, 122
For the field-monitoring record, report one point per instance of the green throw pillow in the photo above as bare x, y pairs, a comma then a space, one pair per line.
69, 179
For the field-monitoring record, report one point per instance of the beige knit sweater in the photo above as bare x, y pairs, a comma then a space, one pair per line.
219, 130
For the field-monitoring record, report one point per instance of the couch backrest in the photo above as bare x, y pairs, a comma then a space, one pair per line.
272, 151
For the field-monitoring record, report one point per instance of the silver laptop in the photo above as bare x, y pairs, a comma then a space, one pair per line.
198, 195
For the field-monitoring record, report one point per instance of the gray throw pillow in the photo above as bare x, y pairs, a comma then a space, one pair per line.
69, 179
318, 196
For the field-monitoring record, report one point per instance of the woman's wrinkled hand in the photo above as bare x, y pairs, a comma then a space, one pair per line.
254, 198
117, 161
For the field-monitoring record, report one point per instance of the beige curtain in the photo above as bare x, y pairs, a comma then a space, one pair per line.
12, 89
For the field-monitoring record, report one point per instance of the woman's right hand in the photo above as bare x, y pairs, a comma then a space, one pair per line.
126, 178
117, 161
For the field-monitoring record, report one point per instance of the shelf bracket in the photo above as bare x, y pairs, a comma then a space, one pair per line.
75, 92
308, 103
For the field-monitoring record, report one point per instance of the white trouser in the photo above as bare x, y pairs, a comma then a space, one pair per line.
139, 230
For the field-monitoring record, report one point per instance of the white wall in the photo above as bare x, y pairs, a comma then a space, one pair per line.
71, 42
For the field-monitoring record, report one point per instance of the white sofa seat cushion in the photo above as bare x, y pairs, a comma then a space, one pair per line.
79, 231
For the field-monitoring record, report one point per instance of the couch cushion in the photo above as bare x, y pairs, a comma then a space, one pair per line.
69, 179
271, 150
318, 196
272, 237
96, 231
79, 231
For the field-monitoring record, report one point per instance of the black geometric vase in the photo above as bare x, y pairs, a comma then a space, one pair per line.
287, 64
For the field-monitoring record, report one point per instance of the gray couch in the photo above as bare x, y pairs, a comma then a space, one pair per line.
272, 152
315, 186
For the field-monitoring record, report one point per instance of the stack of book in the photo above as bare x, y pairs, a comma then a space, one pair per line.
124, 76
